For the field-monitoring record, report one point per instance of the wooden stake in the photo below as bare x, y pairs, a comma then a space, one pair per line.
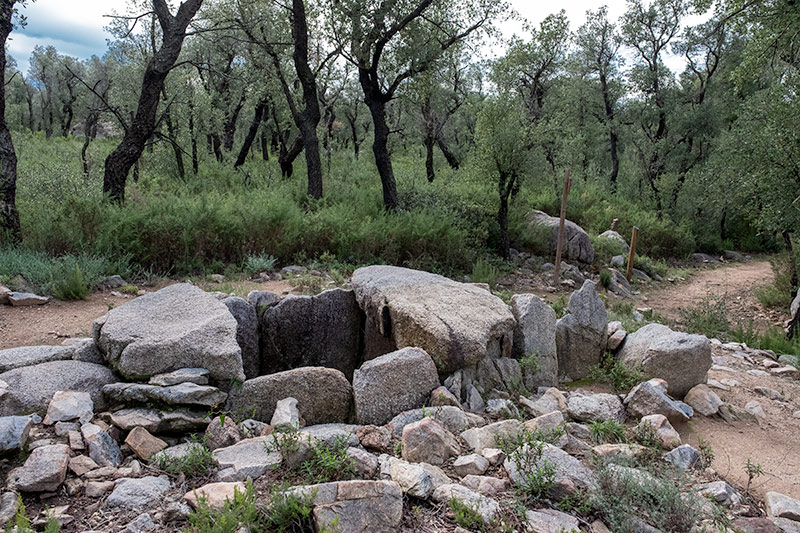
560, 244
632, 254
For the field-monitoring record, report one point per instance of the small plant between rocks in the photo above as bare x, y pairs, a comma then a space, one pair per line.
198, 462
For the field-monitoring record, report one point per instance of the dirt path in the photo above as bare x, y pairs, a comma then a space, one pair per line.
735, 283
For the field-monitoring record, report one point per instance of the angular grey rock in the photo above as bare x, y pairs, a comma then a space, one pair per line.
485, 485
69, 405
86, 350
502, 408
550, 520
14, 431
323, 395
720, 492
364, 463
535, 338
683, 360
618, 284
26, 299
246, 334
795, 304
664, 431
545, 423
427, 441
140, 524
180, 394
249, 458
356, 506
139, 493
475, 403
577, 244
220, 436
703, 400
472, 464
155, 421
595, 407
442, 396
176, 327
570, 474
113, 282
414, 479
32, 355
684, 457
173, 453
616, 339
581, 335
704, 258
502, 374
198, 376
262, 300
251, 428
782, 506
31, 388
286, 414
331, 433
647, 398
457, 323
322, 330
490, 436
614, 236
392, 383
453, 418
43, 471
103, 449
487, 507
552, 400
8, 502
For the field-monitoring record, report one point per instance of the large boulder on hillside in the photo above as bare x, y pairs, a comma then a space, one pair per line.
32, 355
323, 395
581, 335
322, 330
616, 237
795, 304
246, 333
535, 340
31, 388
577, 245
179, 326
393, 383
681, 359
458, 324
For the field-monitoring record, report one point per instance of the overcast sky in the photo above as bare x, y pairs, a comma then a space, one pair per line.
75, 27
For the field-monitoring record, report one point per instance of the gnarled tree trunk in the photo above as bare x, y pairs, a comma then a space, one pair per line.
9, 216
120, 161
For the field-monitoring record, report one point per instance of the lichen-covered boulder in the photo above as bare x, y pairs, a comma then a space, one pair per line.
179, 326
577, 244
581, 335
458, 324
535, 340
681, 359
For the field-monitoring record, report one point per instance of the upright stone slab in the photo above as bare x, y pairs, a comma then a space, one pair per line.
323, 395
535, 339
177, 327
458, 324
322, 330
393, 383
246, 333
581, 335
681, 359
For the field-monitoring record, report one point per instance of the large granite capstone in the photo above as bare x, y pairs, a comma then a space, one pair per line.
177, 327
458, 324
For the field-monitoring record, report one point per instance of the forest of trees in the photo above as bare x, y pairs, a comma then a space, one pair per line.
222, 90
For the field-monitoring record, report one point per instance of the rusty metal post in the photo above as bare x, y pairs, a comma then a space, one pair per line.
632, 254
560, 244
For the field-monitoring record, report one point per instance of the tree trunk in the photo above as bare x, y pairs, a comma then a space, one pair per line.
787, 239
176, 149
380, 148
264, 145
452, 160
193, 135
502, 220
429, 170
258, 116
287, 156
216, 146
9, 216
229, 128
120, 161
89, 133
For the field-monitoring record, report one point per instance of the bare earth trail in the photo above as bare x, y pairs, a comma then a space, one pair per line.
771, 442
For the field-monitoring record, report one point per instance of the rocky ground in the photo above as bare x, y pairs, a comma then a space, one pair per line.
390, 444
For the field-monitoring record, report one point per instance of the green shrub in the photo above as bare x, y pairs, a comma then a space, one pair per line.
620, 377
328, 462
624, 497
772, 339
198, 462
778, 293
709, 317
605, 278
466, 516
484, 272
605, 249
71, 286
257, 263
560, 306
607, 431
530, 363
